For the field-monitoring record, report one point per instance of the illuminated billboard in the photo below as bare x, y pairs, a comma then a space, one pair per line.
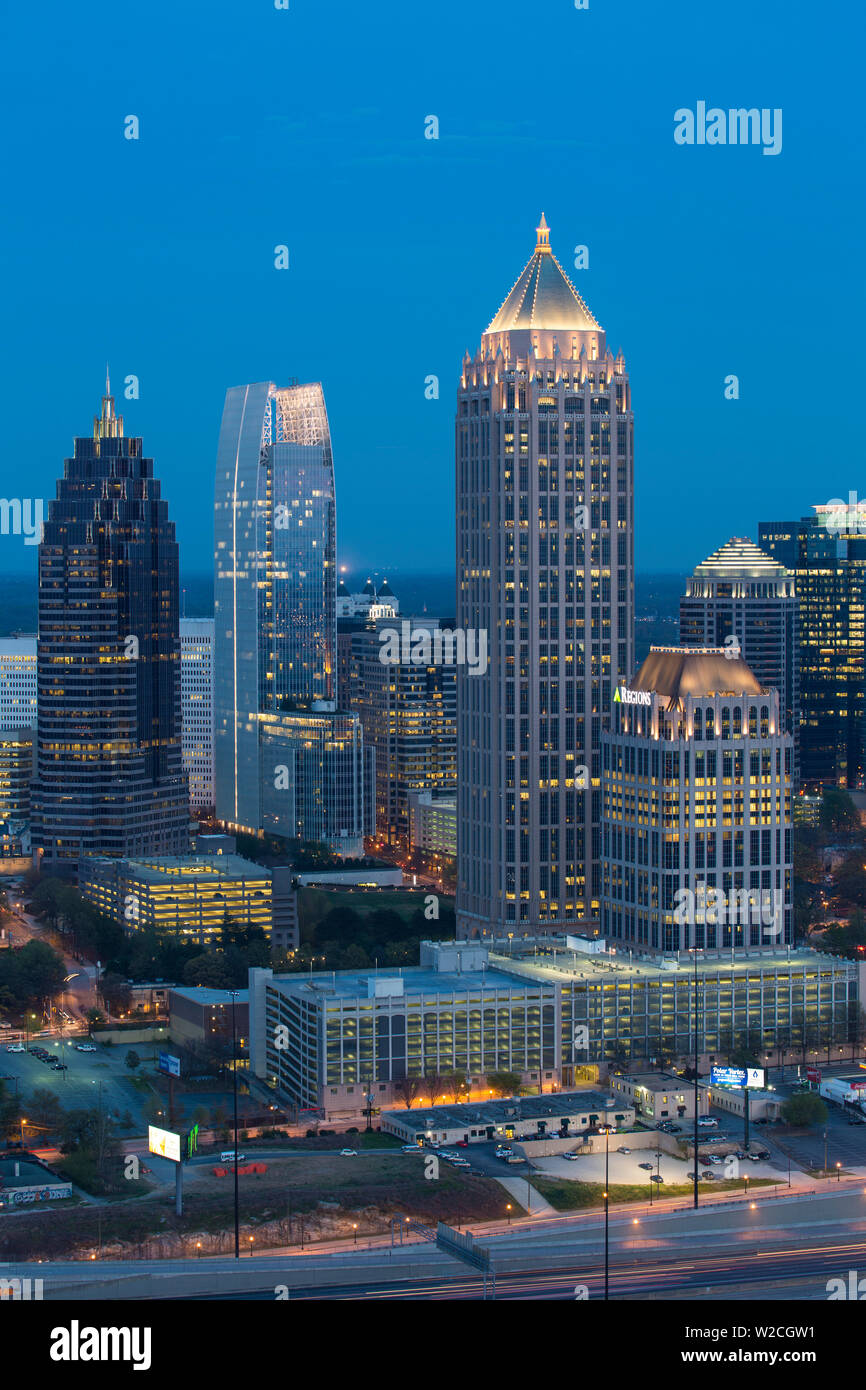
169, 1064
163, 1143
749, 1077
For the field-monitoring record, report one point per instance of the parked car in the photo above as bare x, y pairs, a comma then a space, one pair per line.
410, 1149
59, 1066
852, 1119
715, 1158
648, 1167
572, 1157
463, 1143
707, 1175
755, 1158
16, 1047
623, 1150
504, 1153
88, 1047
348, 1153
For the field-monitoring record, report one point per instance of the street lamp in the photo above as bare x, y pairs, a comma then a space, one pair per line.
606, 1131
508, 1209
234, 995
838, 1172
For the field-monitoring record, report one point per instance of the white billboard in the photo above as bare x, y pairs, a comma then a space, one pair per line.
163, 1143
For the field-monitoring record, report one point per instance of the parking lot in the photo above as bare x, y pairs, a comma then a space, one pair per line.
91, 1078
846, 1144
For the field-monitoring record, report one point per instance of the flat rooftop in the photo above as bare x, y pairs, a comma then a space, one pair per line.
162, 869
351, 984
200, 995
554, 963
517, 1110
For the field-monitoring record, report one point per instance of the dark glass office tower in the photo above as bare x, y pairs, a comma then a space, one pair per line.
545, 567
109, 775
827, 554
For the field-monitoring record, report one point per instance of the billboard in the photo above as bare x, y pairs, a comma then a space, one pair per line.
169, 1064
750, 1077
163, 1143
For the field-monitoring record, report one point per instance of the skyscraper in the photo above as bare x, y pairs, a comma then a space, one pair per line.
697, 808
742, 599
827, 555
109, 778
545, 565
196, 688
275, 624
408, 712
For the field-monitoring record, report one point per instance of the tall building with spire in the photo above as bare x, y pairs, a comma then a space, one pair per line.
285, 759
109, 777
545, 564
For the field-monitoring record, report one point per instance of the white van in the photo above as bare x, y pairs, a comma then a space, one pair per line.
229, 1157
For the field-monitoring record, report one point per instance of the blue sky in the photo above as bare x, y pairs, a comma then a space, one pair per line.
306, 127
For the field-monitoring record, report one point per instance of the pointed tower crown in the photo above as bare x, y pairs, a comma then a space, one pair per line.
543, 297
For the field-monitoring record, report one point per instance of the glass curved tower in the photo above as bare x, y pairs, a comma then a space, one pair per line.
275, 601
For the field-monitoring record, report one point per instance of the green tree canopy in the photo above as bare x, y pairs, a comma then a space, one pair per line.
806, 1110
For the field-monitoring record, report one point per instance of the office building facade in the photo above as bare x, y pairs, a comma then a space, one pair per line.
196, 688
109, 774
697, 782
742, 599
544, 454
827, 555
543, 1008
17, 682
408, 711
190, 896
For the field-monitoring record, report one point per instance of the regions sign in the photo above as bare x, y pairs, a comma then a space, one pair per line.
163, 1143
749, 1077
624, 696
169, 1064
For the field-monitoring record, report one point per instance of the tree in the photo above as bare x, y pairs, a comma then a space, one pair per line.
838, 811
805, 1110
132, 1060
44, 1109
90, 1132
10, 1114
433, 1085
95, 1016
208, 969
455, 1085
503, 1083
115, 992
408, 1089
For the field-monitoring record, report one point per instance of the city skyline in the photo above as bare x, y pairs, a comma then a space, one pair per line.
697, 289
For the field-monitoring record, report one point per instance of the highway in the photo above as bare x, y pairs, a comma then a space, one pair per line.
787, 1249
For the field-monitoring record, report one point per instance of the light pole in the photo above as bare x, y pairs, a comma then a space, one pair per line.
234, 995
697, 1093
607, 1207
